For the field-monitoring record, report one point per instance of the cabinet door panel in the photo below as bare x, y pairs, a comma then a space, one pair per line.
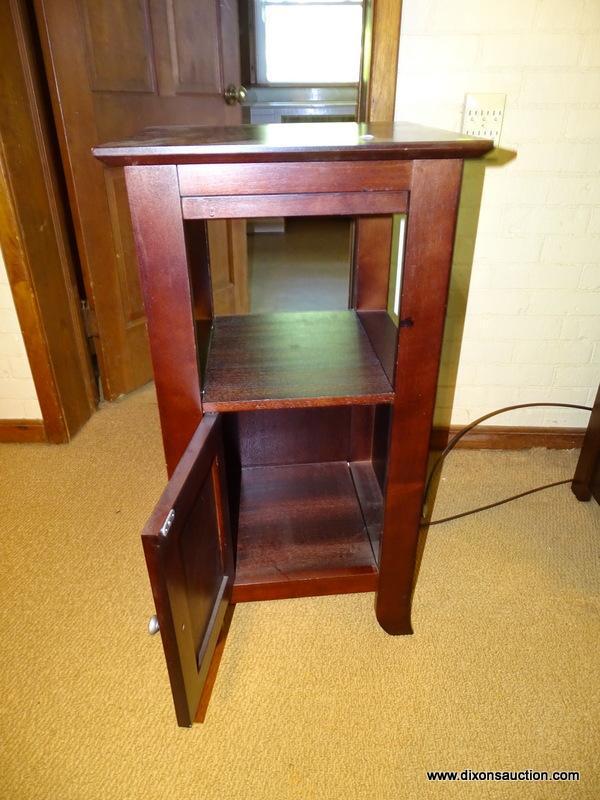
187, 544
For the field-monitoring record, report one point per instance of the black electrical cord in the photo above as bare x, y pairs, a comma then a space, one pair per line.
459, 435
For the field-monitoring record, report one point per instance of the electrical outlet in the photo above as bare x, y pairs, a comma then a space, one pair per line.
483, 116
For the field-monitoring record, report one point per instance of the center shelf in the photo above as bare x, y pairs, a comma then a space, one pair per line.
286, 360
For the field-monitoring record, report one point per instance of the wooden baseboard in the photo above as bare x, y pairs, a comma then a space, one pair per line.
22, 430
496, 437
486, 437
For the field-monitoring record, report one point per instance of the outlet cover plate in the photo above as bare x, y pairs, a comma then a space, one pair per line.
483, 115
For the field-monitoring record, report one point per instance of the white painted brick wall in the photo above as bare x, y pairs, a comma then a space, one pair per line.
532, 325
18, 398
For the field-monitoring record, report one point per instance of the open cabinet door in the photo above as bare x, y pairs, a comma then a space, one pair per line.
187, 544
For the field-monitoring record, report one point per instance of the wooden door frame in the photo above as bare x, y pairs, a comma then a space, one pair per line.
36, 245
379, 66
377, 103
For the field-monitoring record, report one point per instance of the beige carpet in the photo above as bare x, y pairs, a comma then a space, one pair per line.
313, 700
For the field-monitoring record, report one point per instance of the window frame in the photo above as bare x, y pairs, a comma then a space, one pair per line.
258, 41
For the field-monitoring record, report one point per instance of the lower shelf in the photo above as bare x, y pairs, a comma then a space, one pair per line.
302, 532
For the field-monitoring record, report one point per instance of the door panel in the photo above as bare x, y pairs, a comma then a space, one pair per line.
196, 69
118, 43
187, 544
114, 68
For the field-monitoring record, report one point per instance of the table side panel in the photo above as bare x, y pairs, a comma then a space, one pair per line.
294, 205
372, 261
281, 178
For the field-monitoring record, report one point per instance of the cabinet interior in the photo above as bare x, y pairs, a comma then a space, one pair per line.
306, 402
305, 490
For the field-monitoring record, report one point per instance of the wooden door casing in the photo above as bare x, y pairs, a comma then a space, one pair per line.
187, 545
35, 240
379, 60
114, 68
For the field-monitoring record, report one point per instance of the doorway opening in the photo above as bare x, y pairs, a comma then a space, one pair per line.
302, 63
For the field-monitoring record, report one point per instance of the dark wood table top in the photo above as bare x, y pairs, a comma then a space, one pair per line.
314, 141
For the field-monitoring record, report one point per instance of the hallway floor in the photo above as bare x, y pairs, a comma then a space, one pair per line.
306, 268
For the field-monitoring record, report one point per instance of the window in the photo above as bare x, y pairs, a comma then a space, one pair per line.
308, 41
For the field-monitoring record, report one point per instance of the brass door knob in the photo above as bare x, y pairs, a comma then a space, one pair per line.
234, 94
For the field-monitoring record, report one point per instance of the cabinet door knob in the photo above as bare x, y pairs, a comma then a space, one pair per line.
153, 626
234, 94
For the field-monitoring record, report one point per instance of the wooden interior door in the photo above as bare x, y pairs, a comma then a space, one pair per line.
228, 265
113, 68
187, 544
